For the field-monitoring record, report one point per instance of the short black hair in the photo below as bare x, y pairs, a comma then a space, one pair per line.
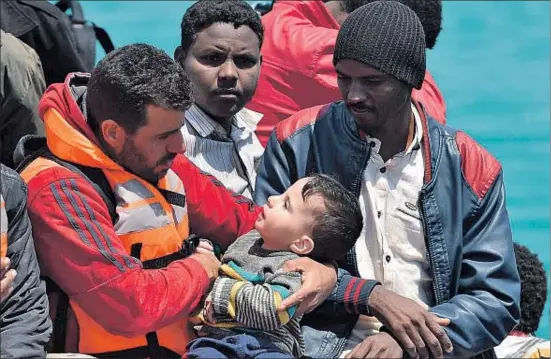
533, 288
429, 13
337, 227
131, 77
204, 13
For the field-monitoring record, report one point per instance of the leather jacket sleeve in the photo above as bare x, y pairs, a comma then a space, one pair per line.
487, 306
275, 170
349, 296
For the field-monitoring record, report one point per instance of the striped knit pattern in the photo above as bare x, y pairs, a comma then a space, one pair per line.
232, 158
246, 295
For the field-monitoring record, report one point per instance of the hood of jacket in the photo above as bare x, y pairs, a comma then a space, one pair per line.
68, 133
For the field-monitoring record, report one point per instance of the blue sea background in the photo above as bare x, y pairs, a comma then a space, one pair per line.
492, 64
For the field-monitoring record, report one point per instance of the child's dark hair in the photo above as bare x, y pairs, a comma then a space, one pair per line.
338, 226
533, 292
204, 13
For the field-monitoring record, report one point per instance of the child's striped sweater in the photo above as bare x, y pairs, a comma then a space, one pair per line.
248, 291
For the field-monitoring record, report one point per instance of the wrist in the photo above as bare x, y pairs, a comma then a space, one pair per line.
374, 298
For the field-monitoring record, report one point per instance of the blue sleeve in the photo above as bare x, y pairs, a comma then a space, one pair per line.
350, 295
276, 172
487, 306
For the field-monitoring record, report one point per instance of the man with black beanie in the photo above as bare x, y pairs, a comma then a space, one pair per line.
297, 54
434, 269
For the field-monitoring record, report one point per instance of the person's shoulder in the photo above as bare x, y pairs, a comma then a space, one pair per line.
479, 167
13, 185
301, 120
45, 176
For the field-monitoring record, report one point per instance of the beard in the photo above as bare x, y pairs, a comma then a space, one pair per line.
134, 161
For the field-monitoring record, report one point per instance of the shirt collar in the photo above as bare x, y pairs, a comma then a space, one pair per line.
245, 119
417, 136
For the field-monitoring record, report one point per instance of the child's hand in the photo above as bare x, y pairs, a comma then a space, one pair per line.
381, 345
205, 246
208, 311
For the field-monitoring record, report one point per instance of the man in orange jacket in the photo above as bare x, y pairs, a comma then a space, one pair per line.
297, 58
113, 202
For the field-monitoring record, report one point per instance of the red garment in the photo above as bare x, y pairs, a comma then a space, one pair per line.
297, 66
79, 249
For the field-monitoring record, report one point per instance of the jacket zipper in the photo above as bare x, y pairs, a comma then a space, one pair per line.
358, 190
435, 286
364, 165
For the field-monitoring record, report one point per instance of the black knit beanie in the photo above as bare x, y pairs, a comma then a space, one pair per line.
388, 36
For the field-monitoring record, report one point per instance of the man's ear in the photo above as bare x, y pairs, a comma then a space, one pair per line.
302, 246
180, 55
113, 134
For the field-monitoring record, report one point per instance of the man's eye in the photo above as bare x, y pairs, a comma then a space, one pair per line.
245, 62
287, 204
212, 58
374, 81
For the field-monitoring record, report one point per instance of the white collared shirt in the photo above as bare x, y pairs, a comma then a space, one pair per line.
232, 158
391, 248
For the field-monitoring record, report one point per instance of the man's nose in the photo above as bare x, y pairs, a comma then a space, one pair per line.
356, 94
177, 145
227, 76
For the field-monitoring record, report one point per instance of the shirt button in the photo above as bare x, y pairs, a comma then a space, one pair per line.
383, 169
379, 214
387, 258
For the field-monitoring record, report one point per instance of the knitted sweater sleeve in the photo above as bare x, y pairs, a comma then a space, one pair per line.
252, 285
255, 305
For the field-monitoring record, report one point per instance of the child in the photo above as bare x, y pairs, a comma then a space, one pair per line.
316, 217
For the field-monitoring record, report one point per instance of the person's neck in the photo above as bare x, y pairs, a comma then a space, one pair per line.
396, 135
518, 333
225, 122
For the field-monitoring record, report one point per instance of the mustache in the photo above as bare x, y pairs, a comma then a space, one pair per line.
362, 107
227, 91
169, 157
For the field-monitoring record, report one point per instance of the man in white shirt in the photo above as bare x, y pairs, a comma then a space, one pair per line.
220, 51
435, 265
